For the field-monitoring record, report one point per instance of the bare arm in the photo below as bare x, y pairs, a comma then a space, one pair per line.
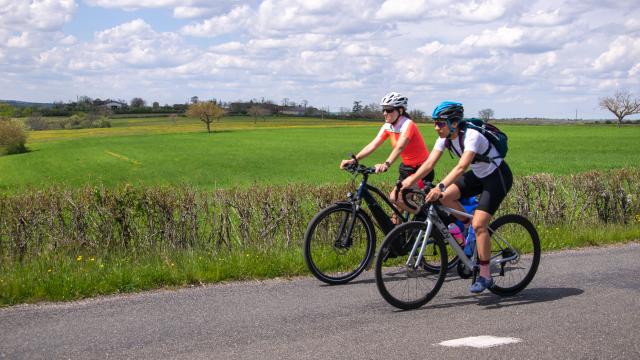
424, 169
397, 150
458, 170
366, 151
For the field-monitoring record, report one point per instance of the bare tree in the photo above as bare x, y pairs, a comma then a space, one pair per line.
206, 111
621, 104
258, 111
417, 115
486, 114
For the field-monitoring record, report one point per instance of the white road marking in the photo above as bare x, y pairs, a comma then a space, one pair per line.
481, 342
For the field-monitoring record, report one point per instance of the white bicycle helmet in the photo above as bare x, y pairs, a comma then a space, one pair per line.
394, 99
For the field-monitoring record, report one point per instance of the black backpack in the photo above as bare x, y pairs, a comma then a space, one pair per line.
497, 138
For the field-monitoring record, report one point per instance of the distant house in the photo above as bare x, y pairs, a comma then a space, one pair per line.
293, 110
110, 104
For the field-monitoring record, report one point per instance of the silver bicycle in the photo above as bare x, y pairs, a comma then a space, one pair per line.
408, 282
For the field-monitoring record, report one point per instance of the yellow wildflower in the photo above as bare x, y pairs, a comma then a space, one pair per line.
79, 258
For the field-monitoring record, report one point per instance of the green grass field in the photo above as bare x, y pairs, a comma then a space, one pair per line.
241, 153
158, 151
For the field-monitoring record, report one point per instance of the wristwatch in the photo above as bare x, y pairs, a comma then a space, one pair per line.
387, 163
441, 187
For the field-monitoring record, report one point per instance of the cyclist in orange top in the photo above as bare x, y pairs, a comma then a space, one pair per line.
406, 142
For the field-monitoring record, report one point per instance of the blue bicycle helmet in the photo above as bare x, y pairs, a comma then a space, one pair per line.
448, 110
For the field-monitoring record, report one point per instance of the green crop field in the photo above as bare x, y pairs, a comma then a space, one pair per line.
241, 153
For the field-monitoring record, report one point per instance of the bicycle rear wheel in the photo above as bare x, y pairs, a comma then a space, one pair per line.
515, 254
332, 254
400, 283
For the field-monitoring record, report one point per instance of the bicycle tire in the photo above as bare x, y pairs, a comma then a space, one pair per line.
326, 254
513, 276
404, 286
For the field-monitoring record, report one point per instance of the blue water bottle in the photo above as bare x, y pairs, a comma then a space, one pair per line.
470, 243
470, 205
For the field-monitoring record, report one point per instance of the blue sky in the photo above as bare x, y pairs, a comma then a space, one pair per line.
519, 58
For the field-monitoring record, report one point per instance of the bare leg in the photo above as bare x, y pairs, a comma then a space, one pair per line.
480, 225
451, 199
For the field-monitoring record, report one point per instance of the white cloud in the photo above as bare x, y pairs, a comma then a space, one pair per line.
623, 52
431, 48
235, 19
504, 37
133, 44
480, 11
544, 18
191, 12
36, 15
541, 62
282, 17
403, 9
134, 4
479, 51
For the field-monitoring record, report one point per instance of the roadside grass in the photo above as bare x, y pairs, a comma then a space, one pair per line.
72, 277
78, 276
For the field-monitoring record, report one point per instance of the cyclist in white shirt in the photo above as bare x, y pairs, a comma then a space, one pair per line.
489, 177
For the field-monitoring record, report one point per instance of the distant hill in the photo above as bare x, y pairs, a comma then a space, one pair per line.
20, 104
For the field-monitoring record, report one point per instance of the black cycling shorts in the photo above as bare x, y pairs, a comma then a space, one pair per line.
492, 188
406, 171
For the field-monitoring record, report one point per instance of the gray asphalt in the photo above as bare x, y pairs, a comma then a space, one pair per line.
582, 304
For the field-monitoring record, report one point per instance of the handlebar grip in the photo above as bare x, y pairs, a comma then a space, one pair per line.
404, 194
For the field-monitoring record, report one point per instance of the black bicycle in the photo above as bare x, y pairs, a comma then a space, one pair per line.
340, 240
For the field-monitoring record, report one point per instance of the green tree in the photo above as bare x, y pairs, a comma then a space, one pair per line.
206, 111
6, 111
357, 107
137, 103
12, 137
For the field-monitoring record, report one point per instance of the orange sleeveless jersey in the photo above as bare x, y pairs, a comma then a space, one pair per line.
415, 153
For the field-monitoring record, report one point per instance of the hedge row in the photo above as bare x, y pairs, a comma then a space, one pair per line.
99, 219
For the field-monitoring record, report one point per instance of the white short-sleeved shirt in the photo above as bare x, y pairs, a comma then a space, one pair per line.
476, 142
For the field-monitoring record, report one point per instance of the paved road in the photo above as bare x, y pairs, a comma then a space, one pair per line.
581, 305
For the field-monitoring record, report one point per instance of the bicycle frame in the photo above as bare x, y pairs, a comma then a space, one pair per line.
364, 192
471, 262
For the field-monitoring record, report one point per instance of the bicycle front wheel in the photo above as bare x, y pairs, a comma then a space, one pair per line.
337, 245
400, 282
515, 254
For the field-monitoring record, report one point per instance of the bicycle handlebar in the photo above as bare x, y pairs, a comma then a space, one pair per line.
356, 167
405, 192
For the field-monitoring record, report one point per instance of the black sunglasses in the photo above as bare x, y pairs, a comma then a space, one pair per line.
388, 110
440, 123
